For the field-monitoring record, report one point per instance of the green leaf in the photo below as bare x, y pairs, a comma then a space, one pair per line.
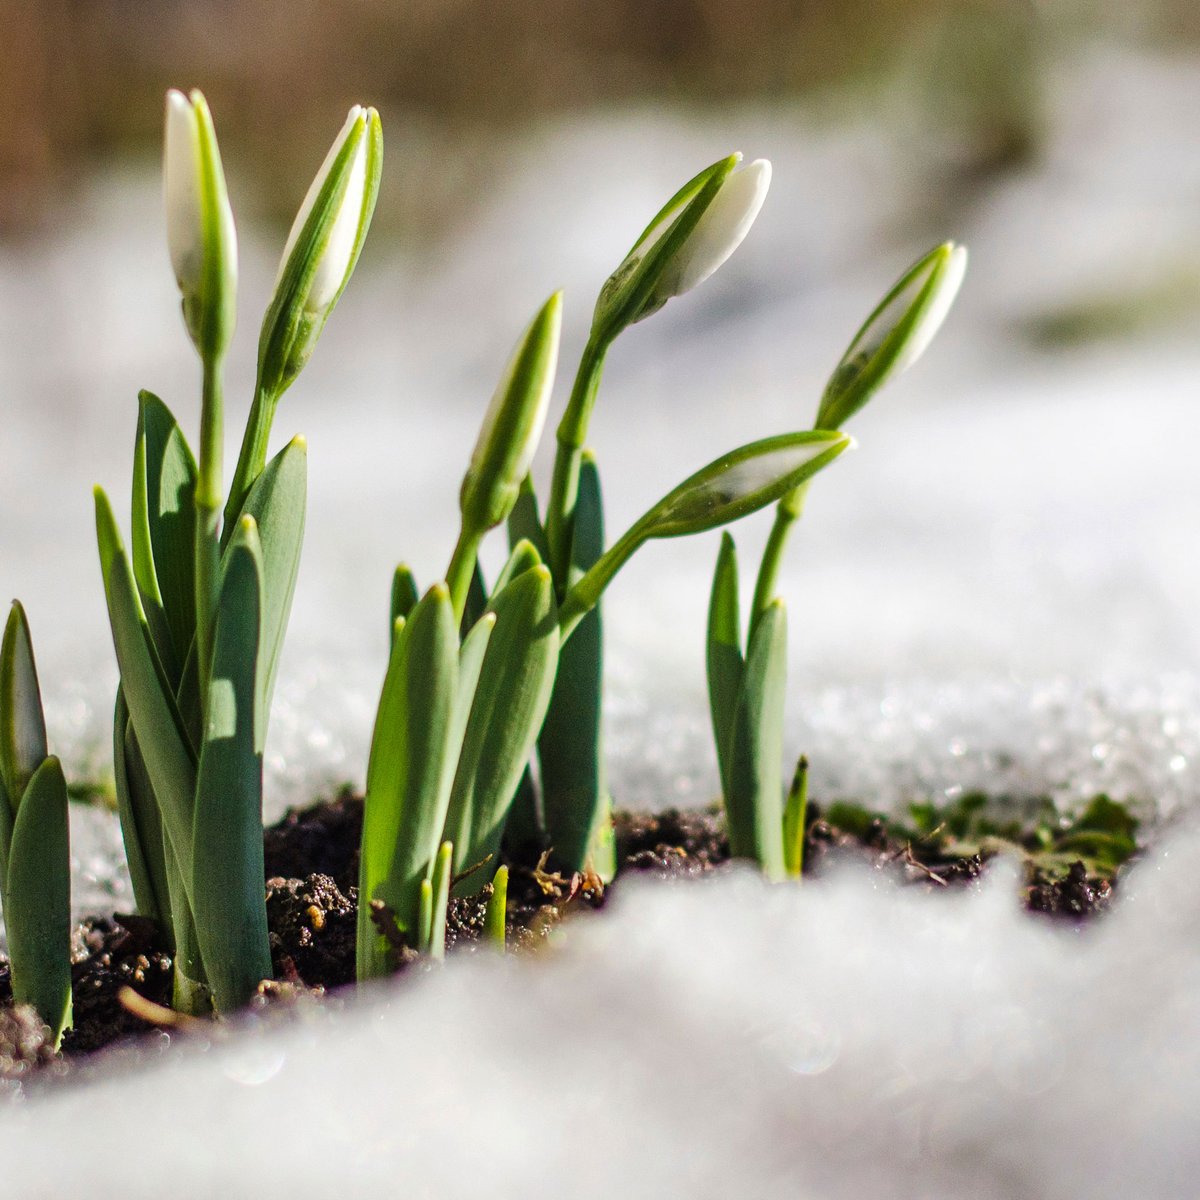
725, 661
510, 702
576, 804
795, 823
404, 595
470, 663
524, 523
277, 504
37, 902
754, 801
477, 598
165, 748
524, 557
495, 916
141, 824
408, 775
22, 726
228, 899
439, 881
164, 531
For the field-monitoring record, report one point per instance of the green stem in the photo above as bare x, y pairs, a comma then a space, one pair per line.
252, 457
786, 514
208, 516
461, 569
586, 592
571, 436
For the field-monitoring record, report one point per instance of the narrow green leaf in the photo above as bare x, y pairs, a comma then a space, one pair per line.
725, 662
404, 595
141, 824
524, 523
509, 706
164, 523
425, 916
795, 821
164, 744
754, 801
576, 804
524, 557
440, 897
525, 831
408, 777
477, 598
37, 903
277, 503
495, 917
227, 864
22, 726
470, 663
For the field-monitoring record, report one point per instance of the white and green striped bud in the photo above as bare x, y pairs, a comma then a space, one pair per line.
200, 231
692, 235
896, 334
322, 249
733, 486
513, 423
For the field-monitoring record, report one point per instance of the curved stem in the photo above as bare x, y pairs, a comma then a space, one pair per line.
251, 458
786, 513
460, 570
571, 435
588, 589
208, 517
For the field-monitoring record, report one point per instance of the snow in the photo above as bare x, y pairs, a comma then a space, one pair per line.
999, 589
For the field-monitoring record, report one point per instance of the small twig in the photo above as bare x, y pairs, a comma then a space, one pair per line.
158, 1014
455, 880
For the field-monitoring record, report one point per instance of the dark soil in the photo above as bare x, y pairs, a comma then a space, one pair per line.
311, 858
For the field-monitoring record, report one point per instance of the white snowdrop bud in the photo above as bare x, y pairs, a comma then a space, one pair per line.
896, 334
200, 233
322, 248
513, 423
693, 234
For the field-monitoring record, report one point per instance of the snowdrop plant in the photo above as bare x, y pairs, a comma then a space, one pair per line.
689, 238
35, 881
199, 604
747, 671
468, 686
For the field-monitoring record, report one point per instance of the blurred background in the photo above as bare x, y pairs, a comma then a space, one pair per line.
1022, 513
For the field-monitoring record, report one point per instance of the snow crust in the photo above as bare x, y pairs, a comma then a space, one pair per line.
999, 589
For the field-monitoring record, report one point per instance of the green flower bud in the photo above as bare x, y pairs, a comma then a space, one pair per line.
513, 424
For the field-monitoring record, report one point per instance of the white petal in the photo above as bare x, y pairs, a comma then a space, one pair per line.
931, 322
334, 262
181, 191
720, 230
314, 189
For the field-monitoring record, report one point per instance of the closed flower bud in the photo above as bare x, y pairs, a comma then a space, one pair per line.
322, 249
696, 231
896, 334
200, 231
513, 423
